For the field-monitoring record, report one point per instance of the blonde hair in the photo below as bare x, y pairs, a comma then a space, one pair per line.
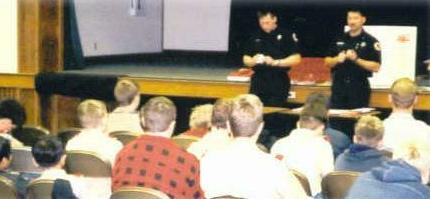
369, 127
158, 113
415, 150
125, 91
246, 115
221, 112
403, 93
92, 113
201, 116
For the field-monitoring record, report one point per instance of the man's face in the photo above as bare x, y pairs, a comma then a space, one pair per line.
268, 23
355, 20
6, 125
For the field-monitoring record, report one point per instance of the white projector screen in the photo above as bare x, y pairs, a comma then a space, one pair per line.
201, 25
115, 27
398, 53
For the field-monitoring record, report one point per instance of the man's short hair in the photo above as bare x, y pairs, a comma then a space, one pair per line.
221, 112
313, 115
317, 98
125, 91
246, 115
5, 148
12, 109
92, 113
369, 127
158, 113
266, 12
403, 93
201, 116
47, 152
357, 10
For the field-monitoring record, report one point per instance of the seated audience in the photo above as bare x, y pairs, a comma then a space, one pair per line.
363, 155
10, 119
49, 154
125, 117
306, 149
153, 160
401, 122
219, 134
338, 140
92, 116
241, 169
200, 121
21, 180
405, 177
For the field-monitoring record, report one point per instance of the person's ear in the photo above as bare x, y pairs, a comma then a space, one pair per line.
364, 19
171, 128
259, 130
416, 99
390, 98
63, 161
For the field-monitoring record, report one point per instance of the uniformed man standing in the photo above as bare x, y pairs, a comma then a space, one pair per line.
355, 56
270, 52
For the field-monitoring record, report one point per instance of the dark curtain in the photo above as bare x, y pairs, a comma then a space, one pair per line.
73, 54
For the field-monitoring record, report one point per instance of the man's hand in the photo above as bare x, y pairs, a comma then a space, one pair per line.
258, 58
351, 55
341, 57
269, 60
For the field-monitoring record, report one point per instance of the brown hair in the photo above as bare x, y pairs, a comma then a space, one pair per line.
158, 113
313, 115
246, 115
221, 112
125, 91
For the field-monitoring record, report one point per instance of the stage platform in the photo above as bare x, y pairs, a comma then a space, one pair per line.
211, 82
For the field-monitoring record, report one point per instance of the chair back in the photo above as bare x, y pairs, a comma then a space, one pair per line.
40, 189
124, 137
336, 185
184, 141
67, 133
303, 181
138, 192
22, 161
7, 187
87, 163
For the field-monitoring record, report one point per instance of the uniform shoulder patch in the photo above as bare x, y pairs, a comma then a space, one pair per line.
377, 46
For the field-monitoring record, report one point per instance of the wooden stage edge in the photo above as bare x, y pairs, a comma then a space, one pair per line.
14, 83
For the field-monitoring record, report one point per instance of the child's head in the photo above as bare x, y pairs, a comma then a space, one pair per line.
48, 152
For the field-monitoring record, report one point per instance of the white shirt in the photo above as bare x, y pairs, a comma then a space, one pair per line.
77, 184
120, 120
214, 139
242, 170
399, 126
96, 141
308, 153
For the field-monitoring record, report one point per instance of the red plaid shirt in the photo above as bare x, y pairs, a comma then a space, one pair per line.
156, 162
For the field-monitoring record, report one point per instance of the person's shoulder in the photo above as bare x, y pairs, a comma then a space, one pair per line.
369, 37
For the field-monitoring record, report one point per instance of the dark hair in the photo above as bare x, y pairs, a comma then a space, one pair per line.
12, 109
266, 12
47, 151
357, 10
4, 148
